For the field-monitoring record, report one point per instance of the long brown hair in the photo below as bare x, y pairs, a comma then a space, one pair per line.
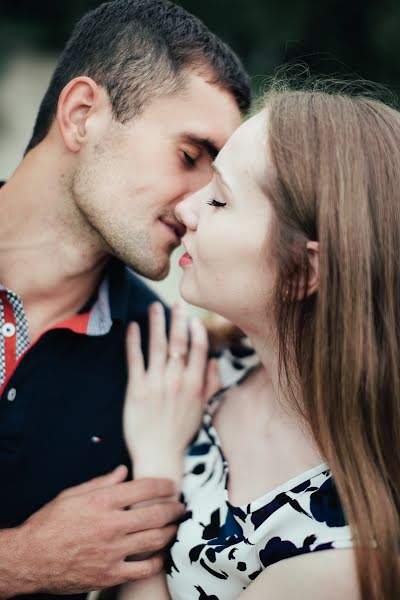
338, 182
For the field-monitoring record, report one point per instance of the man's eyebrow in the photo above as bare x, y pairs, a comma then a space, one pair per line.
206, 144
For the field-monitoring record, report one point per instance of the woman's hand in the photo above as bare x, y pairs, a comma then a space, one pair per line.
164, 404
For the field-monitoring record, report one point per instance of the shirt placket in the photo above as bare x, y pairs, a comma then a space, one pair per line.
13, 333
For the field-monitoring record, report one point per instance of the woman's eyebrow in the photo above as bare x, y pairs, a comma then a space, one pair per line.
221, 177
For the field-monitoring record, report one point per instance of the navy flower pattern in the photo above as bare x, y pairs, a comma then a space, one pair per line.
325, 505
222, 548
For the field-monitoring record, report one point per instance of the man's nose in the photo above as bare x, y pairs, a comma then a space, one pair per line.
186, 212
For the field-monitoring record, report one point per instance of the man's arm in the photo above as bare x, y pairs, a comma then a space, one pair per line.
79, 541
12, 571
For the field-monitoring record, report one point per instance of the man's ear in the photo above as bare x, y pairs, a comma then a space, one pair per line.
75, 104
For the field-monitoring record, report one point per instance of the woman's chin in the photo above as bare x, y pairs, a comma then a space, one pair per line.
190, 295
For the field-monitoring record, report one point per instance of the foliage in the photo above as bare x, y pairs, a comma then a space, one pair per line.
357, 37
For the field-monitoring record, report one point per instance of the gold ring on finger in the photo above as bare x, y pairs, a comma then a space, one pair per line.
177, 355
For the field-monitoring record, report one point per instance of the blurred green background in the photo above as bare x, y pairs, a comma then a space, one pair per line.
355, 38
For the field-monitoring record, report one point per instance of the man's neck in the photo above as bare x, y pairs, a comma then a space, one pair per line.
48, 255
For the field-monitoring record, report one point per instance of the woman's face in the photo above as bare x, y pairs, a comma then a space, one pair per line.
228, 267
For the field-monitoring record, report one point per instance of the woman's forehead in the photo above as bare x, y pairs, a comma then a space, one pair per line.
244, 155
253, 129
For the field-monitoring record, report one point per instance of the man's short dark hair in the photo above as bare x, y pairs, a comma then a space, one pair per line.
138, 50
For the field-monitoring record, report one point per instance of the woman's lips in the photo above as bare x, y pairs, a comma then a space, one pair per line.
185, 260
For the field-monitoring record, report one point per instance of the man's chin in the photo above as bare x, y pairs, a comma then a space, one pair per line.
159, 270
153, 272
160, 275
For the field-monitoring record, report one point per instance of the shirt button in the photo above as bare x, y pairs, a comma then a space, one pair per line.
12, 392
8, 329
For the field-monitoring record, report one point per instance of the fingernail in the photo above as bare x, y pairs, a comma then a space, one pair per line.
186, 515
118, 470
179, 309
181, 304
197, 322
156, 307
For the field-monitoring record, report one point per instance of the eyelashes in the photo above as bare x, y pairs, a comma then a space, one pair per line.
215, 203
190, 161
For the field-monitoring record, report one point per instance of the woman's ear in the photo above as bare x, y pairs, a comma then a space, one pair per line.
313, 273
313, 268
75, 104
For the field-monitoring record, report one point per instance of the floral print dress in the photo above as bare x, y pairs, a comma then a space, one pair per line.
221, 548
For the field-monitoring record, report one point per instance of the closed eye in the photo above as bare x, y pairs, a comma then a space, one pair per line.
215, 203
190, 161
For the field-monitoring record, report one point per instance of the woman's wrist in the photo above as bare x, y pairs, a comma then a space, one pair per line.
158, 464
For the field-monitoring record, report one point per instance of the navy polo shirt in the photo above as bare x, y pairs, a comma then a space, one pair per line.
64, 423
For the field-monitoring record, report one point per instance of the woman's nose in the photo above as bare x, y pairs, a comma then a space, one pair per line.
186, 212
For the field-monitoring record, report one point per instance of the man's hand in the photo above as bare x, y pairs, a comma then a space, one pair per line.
79, 541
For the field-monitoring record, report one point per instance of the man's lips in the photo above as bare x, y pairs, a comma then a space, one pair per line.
185, 260
175, 226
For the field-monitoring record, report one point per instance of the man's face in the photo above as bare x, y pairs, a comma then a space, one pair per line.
130, 177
